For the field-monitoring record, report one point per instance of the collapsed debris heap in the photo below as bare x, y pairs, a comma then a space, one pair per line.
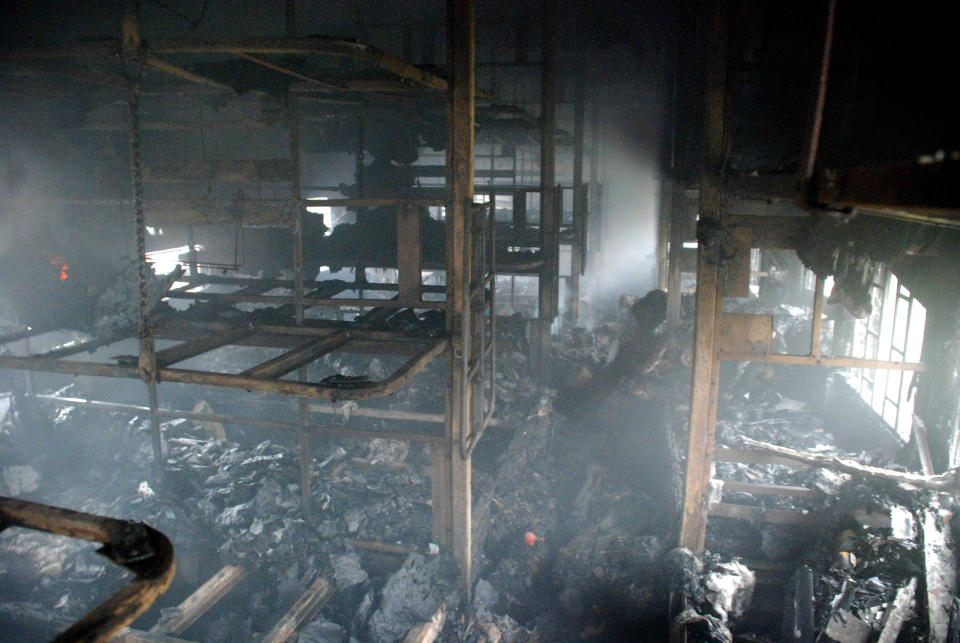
576, 499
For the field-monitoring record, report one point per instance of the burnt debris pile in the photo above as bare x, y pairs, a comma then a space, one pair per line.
577, 498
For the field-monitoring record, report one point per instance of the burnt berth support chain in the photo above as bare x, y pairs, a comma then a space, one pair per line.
144, 551
132, 58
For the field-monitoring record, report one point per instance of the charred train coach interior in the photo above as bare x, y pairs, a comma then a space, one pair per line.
474, 320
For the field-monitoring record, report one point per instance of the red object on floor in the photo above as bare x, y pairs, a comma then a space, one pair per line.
530, 538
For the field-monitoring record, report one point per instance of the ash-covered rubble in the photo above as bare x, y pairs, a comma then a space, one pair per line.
238, 502
709, 593
227, 503
573, 527
576, 503
855, 568
840, 573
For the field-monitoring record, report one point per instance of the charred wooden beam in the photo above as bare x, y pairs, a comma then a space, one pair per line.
940, 567
322, 329
578, 247
706, 367
85, 49
389, 548
763, 187
757, 488
409, 275
23, 334
943, 481
726, 454
162, 126
428, 632
759, 514
790, 517
832, 362
451, 476
899, 612
323, 84
311, 46
928, 192
130, 635
158, 64
308, 389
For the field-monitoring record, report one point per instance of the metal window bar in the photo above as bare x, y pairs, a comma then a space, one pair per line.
887, 334
480, 369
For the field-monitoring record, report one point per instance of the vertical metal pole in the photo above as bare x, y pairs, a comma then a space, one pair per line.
579, 202
817, 318
290, 17
549, 282
703, 394
29, 382
156, 435
192, 255
453, 495
679, 209
663, 230
808, 159
305, 457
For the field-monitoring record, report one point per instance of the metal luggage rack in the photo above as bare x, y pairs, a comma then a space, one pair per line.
291, 67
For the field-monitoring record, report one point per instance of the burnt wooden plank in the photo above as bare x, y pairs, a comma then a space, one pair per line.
305, 607
939, 565
758, 514
197, 604
409, 276
766, 489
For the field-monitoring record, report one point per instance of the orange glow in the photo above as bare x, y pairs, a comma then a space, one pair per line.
62, 264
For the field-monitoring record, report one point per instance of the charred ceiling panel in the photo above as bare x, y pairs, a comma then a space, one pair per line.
889, 96
773, 53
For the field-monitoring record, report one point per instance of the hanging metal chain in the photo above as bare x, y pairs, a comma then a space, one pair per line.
147, 365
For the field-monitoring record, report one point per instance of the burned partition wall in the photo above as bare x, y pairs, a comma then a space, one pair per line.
886, 102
